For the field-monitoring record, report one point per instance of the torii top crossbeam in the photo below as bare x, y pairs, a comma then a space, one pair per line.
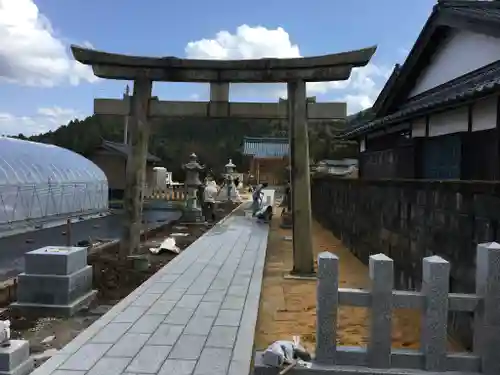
333, 67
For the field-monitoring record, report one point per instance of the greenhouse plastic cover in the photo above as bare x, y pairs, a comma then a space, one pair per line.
39, 181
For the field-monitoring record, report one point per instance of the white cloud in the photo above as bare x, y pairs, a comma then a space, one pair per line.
31, 53
360, 91
403, 51
45, 119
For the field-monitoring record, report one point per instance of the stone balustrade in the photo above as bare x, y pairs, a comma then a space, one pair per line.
434, 301
172, 193
410, 219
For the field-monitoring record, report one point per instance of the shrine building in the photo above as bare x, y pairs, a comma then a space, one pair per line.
269, 159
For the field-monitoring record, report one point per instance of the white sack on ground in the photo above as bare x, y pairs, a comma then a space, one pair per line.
167, 245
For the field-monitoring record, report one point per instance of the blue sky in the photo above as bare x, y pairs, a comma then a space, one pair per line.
42, 87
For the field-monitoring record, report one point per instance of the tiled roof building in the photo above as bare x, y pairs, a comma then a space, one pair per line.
438, 115
268, 159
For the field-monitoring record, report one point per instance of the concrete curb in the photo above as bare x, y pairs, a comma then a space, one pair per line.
232, 212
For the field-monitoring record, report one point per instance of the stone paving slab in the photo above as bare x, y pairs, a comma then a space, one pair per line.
195, 316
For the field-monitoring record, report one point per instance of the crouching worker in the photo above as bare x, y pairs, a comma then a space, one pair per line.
265, 214
257, 197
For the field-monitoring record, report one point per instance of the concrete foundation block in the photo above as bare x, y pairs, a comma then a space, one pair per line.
40, 309
15, 359
54, 289
192, 216
57, 282
55, 260
286, 220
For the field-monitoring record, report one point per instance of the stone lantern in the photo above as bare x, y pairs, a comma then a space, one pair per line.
231, 189
230, 167
228, 191
192, 211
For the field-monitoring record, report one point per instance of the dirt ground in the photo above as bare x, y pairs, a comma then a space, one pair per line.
288, 307
114, 280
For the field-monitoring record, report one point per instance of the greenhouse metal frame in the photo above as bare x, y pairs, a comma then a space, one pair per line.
41, 182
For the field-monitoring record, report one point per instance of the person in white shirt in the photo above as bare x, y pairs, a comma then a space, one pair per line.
209, 194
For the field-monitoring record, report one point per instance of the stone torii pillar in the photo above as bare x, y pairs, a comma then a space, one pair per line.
219, 91
139, 130
219, 98
303, 255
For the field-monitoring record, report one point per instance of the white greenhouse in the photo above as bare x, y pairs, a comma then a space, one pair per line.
41, 182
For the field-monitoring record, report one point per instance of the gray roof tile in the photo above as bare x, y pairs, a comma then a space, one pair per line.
479, 82
125, 149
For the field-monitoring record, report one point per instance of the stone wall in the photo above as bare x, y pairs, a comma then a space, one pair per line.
411, 219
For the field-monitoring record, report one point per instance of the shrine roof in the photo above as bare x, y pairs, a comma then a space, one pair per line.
265, 147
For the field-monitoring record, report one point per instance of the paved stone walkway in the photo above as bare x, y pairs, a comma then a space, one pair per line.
197, 315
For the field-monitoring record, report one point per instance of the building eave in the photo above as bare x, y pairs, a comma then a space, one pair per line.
478, 16
118, 148
277, 140
470, 87
265, 147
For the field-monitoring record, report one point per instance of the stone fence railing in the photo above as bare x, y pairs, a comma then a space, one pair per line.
434, 301
411, 219
169, 193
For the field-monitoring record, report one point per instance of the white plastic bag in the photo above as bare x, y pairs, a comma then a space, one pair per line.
167, 245
4, 331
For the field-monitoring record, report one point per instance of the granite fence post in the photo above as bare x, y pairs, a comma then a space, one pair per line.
382, 280
487, 316
435, 288
326, 307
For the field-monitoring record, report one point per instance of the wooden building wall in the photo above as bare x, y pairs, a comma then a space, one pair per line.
458, 144
270, 170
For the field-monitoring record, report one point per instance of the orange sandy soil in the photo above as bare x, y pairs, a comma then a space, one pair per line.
288, 307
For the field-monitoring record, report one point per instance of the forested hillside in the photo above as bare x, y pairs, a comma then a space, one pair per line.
213, 140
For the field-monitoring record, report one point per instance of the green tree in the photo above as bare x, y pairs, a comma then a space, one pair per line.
172, 140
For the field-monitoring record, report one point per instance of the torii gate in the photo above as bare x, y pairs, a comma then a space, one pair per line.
219, 73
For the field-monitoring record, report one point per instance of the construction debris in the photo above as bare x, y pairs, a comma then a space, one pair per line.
179, 234
179, 227
167, 245
40, 358
48, 339
4, 331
